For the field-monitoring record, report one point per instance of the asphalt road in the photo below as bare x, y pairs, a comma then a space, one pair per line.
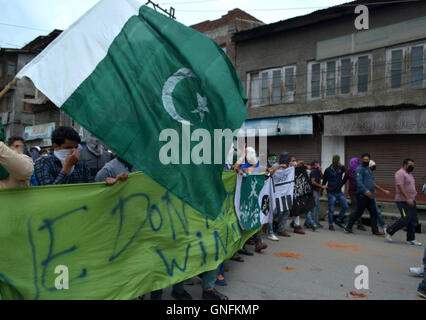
321, 265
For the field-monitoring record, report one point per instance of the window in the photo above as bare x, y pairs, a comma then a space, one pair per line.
316, 81
396, 69
11, 68
264, 88
289, 84
416, 66
331, 78
405, 67
276, 86
271, 86
345, 76
362, 74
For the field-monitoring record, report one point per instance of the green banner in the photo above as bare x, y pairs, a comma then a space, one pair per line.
112, 242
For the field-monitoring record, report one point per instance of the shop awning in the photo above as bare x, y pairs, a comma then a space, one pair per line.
281, 126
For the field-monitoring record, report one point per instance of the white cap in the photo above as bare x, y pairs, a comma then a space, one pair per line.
371, 164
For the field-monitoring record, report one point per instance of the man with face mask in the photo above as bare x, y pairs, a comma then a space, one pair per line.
333, 177
405, 199
64, 166
95, 155
365, 196
15, 167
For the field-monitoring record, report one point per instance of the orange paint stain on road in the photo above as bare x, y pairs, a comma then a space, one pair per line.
289, 269
394, 265
401, 289
348, 247
252, 268
339, 246
358, 295
288, 255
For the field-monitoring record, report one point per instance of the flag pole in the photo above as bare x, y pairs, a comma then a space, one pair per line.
8, 87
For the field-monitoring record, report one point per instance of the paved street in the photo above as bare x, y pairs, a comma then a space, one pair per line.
320, 265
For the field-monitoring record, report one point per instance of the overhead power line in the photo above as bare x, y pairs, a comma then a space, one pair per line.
23, 27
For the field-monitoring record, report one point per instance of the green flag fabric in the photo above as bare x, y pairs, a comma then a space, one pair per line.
126, 73
113, 242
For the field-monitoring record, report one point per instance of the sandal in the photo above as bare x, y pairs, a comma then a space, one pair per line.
237, 258
220, 281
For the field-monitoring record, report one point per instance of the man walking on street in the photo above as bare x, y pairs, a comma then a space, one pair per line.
315, 178
365, 196
406, 202
333, 177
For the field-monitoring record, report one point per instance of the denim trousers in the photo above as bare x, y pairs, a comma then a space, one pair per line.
332, 198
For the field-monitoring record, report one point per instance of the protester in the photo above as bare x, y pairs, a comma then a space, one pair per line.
64, 166
35, 153
303, 199
15, 167
281, 214
114, 170
333, 180
350, 177
248, 164
405, 199
365, 196
95, 155
420, 272
372, 167
315, 177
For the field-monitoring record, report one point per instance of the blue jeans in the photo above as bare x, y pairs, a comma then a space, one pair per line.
379, 215
209, 278
314, 219
332, 198
283, 221
270, 228
422, 284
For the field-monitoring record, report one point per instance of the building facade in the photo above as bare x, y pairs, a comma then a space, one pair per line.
222, 30
362, 91
25, 111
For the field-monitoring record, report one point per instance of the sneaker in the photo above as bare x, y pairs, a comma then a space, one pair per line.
319, 225
213, 295
388, 236
347, 230
361, 227
414, 243
385, 229
340, 224
273, 237
260, 246
418, 271
283, 234
421, 293
331, 228
314, 227
181, 296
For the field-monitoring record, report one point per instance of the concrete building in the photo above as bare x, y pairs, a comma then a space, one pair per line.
25, 111
322, 87
221, 30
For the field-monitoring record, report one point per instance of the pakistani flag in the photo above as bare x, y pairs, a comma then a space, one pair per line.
126, 73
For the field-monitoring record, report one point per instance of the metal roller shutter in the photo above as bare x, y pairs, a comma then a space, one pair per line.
304, 147
388, 151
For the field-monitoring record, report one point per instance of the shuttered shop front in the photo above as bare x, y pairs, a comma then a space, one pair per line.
388, 151
304, 147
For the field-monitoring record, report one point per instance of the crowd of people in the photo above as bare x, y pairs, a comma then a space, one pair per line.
71, 161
